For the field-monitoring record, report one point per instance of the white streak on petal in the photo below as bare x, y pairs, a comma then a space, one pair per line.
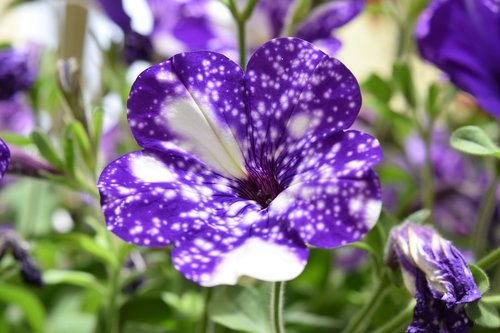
258, 259
372, 212
150, 170
201, 134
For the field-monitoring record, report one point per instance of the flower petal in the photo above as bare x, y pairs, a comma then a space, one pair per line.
332, 196
155, 198
327, 17
213, 257
4, 158
295, 91
444, 34
196, 101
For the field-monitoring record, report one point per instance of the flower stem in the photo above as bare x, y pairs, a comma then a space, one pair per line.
493, 299
362, 319
401, 319
491, 259
277, 301
242, 42
241, 20
485, 217
112, 314
206, 325
427, 172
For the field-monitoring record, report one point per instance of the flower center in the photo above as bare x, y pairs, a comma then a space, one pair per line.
261, 186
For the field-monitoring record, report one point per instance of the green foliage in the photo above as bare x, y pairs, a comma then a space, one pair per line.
47, 149
242, 308
481, 278
474, 141
483, 314
32, 308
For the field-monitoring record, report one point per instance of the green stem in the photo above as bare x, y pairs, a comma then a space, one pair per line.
277, 301
493, 299
242, 42
401, 319
362, 319
112, 314
207, 326
491, 259
241, 20
427, 172
485, 217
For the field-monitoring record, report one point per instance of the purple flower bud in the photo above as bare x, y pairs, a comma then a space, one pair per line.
436, 273
4, 158
9, 239
134, 264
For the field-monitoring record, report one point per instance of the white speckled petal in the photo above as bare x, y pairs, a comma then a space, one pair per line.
297, 91
195, 101
263, 252
332, 196
155, 199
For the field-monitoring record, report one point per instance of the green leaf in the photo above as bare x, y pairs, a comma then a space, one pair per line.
88, 244
374, 242
378, 87
419, 216
432, 103
78, 131
69, 155
46, 149
190, 304
16, 139
135, 327
483, 314
404, 80
31, 306
97, 126
242, 308
473, 140
310, 320
481, 278
76, 278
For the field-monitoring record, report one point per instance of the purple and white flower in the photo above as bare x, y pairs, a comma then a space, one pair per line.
436, 273
241, 172
461, 38
4, 158
196, 25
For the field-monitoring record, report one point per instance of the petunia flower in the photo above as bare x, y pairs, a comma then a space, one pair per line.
241, 172
4, 158
194, 25
18, 69
436, 273
460, 37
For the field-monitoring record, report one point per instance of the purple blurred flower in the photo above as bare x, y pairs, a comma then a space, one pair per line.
10, 240
16, 116
18, 70
4, 158
436, 273
195, 25
241, 170
461, 38
459, 182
